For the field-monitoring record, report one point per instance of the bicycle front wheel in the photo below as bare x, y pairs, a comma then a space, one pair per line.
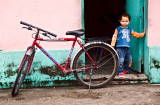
21, 75
100, 73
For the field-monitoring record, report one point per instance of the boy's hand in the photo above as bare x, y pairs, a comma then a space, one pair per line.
113, 46
144, 31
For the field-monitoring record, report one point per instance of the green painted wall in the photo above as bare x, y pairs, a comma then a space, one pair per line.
154, 61
42, 73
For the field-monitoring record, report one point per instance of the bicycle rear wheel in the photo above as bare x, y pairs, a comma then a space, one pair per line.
21, 75
104, 69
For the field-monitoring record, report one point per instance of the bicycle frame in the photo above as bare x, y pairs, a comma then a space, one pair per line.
97, 75
64, 69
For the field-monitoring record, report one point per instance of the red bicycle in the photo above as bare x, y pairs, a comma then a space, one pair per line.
94, 65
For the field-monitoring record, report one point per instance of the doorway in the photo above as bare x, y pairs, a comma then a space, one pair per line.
101, 17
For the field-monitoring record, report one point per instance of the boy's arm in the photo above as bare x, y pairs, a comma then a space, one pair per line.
114, 38
137, 35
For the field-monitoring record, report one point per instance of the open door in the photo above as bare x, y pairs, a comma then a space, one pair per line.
136, 9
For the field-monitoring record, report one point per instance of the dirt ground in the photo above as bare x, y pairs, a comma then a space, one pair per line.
135, 94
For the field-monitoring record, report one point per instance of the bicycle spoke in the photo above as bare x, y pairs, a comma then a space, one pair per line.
105, 65
21, 75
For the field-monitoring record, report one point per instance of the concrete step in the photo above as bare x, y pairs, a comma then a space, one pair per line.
131, 77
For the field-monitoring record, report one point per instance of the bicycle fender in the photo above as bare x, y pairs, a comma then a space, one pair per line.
100, 42
30, 51
90, 43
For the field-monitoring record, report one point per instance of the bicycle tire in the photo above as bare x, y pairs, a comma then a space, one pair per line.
105, 58
21, 75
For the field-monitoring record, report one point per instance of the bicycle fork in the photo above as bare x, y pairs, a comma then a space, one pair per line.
30, 52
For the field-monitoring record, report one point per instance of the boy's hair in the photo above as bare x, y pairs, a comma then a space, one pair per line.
126, 15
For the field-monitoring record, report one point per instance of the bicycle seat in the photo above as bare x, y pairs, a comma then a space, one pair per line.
77, 33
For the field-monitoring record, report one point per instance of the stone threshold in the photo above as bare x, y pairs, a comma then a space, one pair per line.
131, 77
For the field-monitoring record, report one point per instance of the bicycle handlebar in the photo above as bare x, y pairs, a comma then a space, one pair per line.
24, 23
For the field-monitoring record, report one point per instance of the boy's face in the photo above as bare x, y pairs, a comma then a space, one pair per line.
124, 21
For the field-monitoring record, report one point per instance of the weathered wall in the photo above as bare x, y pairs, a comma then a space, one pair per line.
154, 70
57, 16
43, 72
153, 40
153, 22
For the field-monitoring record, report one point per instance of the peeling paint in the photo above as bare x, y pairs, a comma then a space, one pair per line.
27, 83
10, 70
11, 65
9, 73
156, 64
47, 71
43, 71
154, 68
1, 84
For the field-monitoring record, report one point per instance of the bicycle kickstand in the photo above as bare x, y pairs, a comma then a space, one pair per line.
90, 78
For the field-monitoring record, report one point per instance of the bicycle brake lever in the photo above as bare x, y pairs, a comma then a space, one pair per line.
29, 28
45, 34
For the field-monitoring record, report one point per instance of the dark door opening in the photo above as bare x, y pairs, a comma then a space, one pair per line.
102, 17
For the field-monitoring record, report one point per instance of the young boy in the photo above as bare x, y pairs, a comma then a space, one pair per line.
122, 36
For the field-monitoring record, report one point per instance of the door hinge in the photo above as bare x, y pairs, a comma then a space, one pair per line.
142, 60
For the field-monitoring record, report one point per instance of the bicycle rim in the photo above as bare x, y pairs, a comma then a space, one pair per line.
104, 69
21, 75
